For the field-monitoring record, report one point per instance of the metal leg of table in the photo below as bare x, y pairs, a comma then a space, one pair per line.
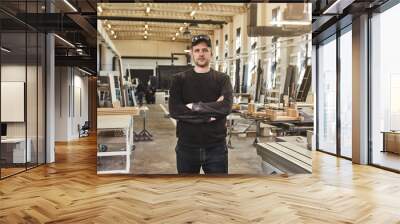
256, 140
144, 135
230, 135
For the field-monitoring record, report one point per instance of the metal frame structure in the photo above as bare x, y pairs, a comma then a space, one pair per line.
44, 74
337, 28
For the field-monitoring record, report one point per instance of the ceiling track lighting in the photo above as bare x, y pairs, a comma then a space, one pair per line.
5, 50
70, 5
64, 40
337, 7
86, 72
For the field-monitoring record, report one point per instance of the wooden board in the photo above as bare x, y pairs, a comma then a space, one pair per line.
134, 111
284, 118
114, 121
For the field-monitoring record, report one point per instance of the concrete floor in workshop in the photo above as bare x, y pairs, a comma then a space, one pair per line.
158, 156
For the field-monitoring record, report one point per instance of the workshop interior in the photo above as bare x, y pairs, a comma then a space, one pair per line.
264, 48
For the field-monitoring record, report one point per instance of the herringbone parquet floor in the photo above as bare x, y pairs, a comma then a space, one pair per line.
69, 191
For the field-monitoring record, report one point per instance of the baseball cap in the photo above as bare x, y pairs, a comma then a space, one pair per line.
201, 38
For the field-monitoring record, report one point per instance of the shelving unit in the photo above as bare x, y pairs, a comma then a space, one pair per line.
114, 143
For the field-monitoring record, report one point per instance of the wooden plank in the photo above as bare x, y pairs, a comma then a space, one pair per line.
134, 111
114, 121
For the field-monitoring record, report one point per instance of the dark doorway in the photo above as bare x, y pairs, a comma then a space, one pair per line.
142, 74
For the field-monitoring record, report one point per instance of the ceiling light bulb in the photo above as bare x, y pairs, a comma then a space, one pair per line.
146, 26
145, 32
177, 34
99, 9
147, 9
112, 32
173, 38
181, 28
109, 26
192, 13
115, 36
145, 37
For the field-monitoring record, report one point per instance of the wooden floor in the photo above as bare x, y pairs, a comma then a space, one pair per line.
69, 191
387, 159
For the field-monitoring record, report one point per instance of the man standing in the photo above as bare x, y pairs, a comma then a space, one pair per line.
200, 99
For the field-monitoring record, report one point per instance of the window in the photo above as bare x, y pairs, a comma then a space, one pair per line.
385, 86
238, 40
327, 96
346, 94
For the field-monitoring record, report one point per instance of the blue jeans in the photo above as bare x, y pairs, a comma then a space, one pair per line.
213, 160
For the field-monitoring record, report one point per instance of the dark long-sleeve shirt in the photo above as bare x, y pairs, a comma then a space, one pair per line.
194, 127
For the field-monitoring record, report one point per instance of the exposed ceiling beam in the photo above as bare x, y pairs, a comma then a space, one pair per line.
166, 14
159, 27
163, 20
157, 38
223, 9
86, 26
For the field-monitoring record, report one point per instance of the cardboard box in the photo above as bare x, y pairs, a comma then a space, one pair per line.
251, 108
293, 112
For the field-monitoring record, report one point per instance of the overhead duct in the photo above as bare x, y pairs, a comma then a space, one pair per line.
261, 31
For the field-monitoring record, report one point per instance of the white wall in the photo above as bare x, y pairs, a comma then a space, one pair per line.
33, 126
14, 73
69, 82
149, 48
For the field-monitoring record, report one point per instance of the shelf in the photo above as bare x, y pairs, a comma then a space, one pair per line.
112, 147
122, 153
115, 134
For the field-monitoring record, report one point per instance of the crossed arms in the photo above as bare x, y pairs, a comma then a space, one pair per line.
200, 112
